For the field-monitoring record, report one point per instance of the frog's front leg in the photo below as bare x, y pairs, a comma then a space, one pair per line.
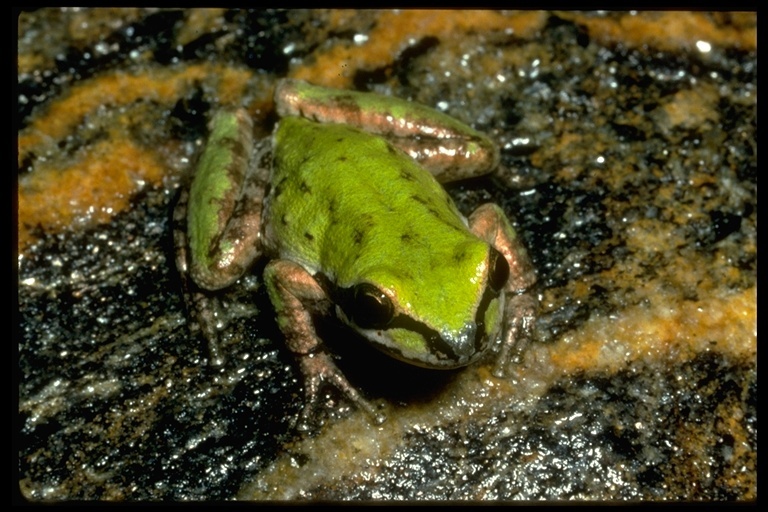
295, 295
491, 224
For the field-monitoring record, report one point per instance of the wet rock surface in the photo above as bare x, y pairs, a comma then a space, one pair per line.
629, 167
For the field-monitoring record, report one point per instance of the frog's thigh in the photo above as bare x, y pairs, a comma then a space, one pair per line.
231, 252
294, 294
490, 223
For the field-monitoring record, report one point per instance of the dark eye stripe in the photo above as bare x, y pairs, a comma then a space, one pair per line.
443, 349
488, 296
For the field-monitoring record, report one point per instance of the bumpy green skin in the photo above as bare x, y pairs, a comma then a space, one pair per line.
349, 205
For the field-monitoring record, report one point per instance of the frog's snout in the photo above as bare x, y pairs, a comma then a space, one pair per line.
466, 344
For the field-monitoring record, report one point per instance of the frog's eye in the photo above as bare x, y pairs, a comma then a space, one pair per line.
498, 270
369, 307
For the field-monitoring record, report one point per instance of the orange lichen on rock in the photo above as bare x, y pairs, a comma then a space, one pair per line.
670, 328
395, 30
91, 190
668, 30
691, 108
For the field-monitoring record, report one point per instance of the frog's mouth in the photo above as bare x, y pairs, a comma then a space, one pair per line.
415, 342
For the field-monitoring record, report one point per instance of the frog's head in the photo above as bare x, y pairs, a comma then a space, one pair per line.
443, 316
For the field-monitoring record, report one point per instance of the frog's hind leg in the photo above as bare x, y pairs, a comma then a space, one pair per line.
226, 197
201, 308
212, 267
449, 149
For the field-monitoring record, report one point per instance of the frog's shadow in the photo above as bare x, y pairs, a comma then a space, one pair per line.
377, 374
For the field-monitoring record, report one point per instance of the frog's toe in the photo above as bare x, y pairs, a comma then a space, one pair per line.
319, 370
521, 312
308, 420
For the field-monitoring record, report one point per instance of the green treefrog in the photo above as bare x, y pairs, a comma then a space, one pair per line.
346, 202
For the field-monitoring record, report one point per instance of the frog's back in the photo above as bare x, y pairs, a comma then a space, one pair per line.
343, 200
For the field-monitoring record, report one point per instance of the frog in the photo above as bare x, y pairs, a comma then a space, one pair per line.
346, 202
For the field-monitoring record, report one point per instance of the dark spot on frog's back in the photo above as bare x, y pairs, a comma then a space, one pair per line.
278, 188
342, 158
357, 236
309, 236
304, 187
406, 174
424, 202
407, 238
459, 255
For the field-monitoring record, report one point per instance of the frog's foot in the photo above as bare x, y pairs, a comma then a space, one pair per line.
205, 321
318, 369
521, 312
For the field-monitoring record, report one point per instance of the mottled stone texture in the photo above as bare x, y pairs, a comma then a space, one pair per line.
629, 166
